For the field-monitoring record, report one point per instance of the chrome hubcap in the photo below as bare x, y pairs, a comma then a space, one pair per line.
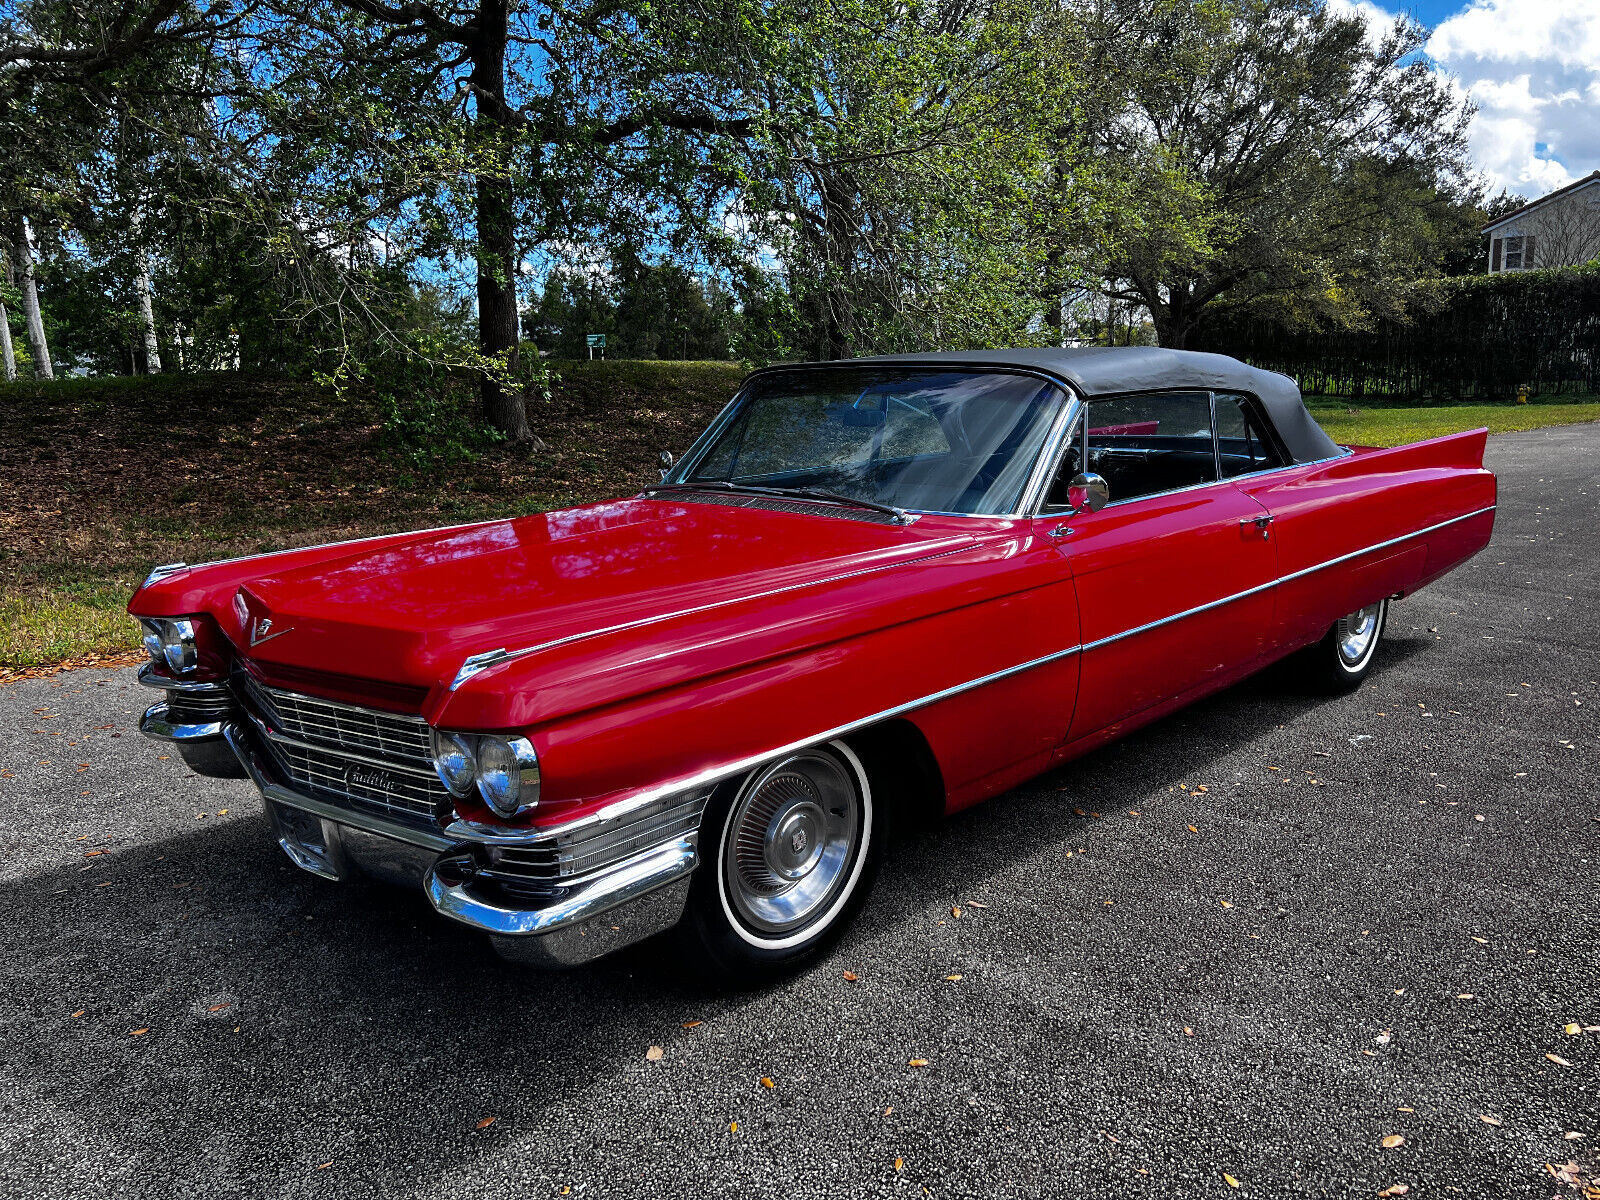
1357, 633
791, 842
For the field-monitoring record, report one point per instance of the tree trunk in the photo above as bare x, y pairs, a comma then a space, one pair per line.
503, 407
152, 349
30, 303
5, 344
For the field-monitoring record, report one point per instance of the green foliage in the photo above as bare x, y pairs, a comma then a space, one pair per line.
1265, 154
1488, 336
645, 311
428, 422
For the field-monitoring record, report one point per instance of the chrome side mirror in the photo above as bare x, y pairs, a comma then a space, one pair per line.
666, 460
1088, 492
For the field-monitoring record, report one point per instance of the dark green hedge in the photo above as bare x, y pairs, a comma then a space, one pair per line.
1485, 337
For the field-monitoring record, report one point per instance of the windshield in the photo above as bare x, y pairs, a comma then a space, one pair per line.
938, 441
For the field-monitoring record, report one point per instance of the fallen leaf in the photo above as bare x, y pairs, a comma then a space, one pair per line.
1224, 904
1399, 991
325, 1166
654, 1054
1558, 1060
1572, 1028
1133, 812
1229, 1180
139, 1032
953, 978
1572, 1135
918, 1062
1403, 1108
1395, 1189
218, 1007
222, 812
486, 1122
1487, 1119
955, 912
1187, 1032
1080, 812
80, 1012
888, 1110
851, 977
1393, 1141
976, 904
1463, 995
766, 1082
899, 1164
733, 1127
692, 1024
1479, 940
1192, 829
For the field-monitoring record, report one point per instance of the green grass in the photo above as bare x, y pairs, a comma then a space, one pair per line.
95, 487
1397, 426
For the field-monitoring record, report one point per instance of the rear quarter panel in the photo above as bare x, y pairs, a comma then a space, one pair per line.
1371, 524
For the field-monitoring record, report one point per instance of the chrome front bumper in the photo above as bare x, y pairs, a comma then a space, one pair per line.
642, 895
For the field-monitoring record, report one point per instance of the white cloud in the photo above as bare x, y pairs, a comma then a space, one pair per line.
1532, 68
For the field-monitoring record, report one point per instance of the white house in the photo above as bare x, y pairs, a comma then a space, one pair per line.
1558, 230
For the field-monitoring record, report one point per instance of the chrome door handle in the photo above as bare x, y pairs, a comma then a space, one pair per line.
1059, 531
1261, 522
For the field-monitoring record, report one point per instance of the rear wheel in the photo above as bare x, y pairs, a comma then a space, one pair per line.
1342, 659
787, 857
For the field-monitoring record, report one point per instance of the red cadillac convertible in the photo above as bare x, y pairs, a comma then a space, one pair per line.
871, 591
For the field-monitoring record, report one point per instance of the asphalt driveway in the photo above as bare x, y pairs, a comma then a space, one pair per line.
1295, 929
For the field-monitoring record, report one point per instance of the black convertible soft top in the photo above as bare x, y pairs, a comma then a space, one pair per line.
1109, 370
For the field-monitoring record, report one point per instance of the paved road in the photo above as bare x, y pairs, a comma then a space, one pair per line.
1381, 922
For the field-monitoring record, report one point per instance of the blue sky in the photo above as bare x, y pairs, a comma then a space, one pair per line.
1532, 68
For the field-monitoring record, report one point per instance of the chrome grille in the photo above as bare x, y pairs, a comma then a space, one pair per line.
561, 861
344, 726
389, 791
375, 762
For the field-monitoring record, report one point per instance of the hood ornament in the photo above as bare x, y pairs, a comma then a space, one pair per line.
478, 662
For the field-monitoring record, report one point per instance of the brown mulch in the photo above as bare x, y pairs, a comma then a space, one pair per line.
107, 662
96, 480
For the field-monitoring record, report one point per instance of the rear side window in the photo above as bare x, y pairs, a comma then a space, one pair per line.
1151, 443
1241, 438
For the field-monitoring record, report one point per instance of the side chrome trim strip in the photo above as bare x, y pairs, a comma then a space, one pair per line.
1395, 541
623, 808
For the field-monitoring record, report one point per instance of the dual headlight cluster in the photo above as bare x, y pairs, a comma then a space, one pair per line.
170, 640
504, 770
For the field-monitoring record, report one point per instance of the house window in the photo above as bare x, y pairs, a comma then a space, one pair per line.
1513, 254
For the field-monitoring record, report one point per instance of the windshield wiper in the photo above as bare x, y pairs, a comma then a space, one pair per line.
901, 517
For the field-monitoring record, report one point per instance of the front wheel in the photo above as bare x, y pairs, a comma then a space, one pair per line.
1342, 659
787, 858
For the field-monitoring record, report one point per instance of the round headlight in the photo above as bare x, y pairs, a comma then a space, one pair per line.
508, 775
454, 760
171, 641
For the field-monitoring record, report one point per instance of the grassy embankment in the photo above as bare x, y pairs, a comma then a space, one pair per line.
99, 479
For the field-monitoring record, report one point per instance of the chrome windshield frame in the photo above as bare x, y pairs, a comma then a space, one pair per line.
1038, 476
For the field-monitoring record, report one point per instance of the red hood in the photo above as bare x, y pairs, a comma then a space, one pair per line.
408, 610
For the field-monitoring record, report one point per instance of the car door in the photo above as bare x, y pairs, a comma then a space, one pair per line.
1174, 576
